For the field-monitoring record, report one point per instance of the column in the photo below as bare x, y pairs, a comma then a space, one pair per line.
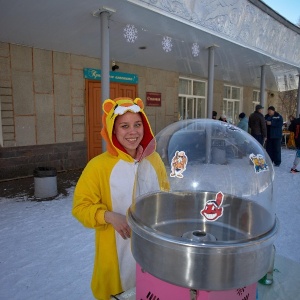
210, 85
210, 99
262, 85
105, 89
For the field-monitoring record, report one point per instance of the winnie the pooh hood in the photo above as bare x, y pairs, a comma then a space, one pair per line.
119, 106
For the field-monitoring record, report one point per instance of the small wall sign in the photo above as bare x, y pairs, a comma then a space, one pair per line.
153, 99
113, 76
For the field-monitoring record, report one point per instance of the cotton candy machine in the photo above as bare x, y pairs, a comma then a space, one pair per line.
210, 235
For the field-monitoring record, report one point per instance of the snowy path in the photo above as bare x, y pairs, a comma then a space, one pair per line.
46, 254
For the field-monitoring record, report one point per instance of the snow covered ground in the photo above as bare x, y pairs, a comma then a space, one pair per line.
46, 254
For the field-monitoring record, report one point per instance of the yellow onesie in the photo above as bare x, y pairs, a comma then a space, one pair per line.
106, 184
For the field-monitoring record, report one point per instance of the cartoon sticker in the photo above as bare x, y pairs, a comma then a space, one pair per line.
259, 163
213, 209
178, 164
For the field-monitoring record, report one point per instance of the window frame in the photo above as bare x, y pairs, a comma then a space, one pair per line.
183, 107
226, 100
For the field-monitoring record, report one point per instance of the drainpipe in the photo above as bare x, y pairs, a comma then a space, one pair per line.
262, 85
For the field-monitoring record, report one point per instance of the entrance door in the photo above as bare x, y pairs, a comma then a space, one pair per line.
94, 111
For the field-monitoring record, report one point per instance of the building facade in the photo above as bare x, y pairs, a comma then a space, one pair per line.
46, 102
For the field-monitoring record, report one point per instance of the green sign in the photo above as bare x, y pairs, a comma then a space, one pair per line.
95, 74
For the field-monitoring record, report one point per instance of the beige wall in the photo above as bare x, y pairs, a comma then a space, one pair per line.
155, 80
42, 95
247, 97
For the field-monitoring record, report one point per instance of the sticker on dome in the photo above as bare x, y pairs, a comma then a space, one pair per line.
178, 164
259, 163
213, 209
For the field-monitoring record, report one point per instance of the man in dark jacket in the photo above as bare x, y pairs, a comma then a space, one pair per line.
295, 127
274, 135
257, 124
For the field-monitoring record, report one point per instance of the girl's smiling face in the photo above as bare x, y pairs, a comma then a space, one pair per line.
129, 131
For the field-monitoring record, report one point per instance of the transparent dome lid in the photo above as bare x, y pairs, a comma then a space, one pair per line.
214, 212
219, 163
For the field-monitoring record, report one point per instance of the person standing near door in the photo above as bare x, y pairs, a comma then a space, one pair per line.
257, 125
274, 123
104, 192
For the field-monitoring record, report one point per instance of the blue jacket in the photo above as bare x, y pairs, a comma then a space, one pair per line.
274, 131
243, 124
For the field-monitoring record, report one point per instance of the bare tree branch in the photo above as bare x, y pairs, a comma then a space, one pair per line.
288, 103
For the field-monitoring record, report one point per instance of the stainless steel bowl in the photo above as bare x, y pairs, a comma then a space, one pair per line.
172, 241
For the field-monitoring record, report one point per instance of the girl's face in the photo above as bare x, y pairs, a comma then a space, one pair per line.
129, 131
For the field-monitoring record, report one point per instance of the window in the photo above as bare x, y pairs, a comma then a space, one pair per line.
191, 99
231, 103
255, 99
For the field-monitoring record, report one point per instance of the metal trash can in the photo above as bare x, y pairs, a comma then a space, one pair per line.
45, 182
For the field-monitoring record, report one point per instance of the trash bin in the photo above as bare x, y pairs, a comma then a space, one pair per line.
45, 182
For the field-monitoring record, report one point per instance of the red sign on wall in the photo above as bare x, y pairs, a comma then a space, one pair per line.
153, 99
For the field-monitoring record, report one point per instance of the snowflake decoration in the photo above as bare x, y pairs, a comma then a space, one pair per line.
195, 50
130, 33
167, 43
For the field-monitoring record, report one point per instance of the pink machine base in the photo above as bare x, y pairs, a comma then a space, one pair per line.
149, 287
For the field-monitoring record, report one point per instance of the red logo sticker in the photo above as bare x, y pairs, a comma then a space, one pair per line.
213, 209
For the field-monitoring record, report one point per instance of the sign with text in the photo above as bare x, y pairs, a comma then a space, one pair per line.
113, 76
153, 99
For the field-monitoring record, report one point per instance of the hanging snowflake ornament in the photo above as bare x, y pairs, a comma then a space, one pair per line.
167, 44
130, 33
195, 50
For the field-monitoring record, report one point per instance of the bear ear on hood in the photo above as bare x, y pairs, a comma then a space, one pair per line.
139, 102
108, 105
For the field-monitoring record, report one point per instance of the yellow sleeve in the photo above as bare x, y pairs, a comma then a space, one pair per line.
91, 196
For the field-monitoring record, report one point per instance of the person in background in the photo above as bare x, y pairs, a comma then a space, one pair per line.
291, 137
214, 115
243, 123
274, 123
295, 128
289, 122
104, 192
257, 125
223, 118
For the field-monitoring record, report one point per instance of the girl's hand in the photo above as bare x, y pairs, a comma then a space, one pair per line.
119, 222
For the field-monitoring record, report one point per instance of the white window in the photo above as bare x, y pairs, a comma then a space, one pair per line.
232, 103
191, 99
255, 99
